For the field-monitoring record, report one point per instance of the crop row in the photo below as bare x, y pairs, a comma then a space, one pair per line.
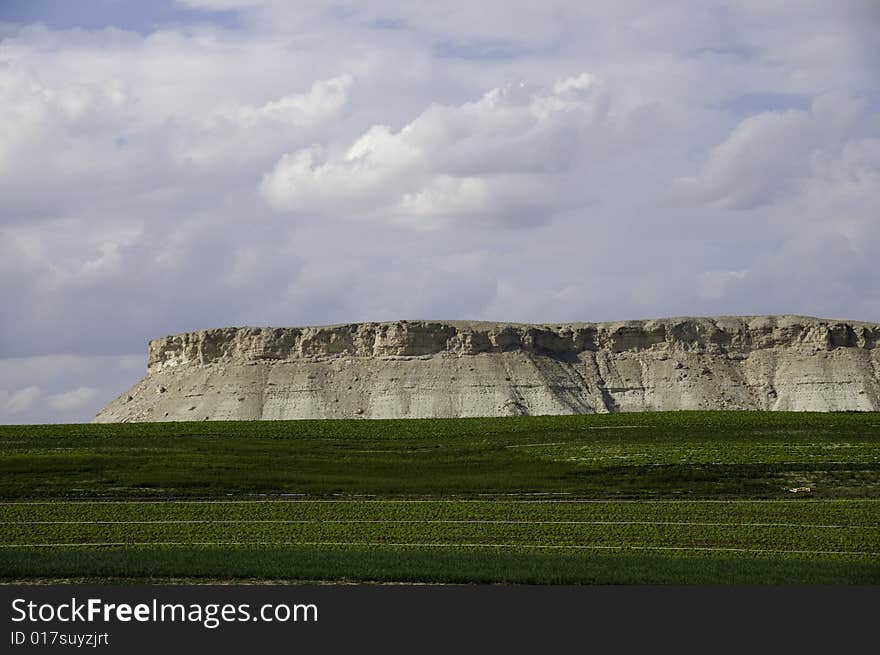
862, 539
394, 563
698, 425
743, 451
865, 513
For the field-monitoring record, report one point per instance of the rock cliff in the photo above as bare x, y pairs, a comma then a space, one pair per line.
452, 368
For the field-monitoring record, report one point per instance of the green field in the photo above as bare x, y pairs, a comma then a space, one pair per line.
678, 497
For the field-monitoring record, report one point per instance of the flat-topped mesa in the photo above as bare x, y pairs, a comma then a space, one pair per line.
413, 369
721, 335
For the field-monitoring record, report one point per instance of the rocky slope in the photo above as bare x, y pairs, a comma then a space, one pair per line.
451, 368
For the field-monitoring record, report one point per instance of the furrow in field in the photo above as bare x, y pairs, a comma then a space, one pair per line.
526, 534
849, 513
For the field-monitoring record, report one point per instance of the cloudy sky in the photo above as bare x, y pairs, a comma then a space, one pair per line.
177, 165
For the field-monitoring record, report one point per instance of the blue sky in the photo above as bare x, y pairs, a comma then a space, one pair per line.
172, 166
141, 17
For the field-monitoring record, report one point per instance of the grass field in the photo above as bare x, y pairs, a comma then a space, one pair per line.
681, 497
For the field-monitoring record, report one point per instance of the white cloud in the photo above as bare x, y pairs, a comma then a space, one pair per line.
714, 284
501, 160
753, 163
769, 152
73, 399
241, 132
825, 240
63, 387
18, 401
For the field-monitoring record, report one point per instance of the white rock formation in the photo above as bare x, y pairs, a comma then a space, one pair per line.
409, 369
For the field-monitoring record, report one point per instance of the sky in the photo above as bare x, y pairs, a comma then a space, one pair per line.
180, 165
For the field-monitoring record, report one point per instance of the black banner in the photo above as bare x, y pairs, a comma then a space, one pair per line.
412, 618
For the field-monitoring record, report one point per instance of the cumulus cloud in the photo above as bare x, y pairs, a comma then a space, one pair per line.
62, 387
33, 401
753, 163
501, 160
768, 153
830, 240
20, 400
73, 399
73, 143
242, 132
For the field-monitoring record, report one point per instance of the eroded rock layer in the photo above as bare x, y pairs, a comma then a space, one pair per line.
410, 369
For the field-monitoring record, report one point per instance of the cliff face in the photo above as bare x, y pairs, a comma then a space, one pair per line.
450, 368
